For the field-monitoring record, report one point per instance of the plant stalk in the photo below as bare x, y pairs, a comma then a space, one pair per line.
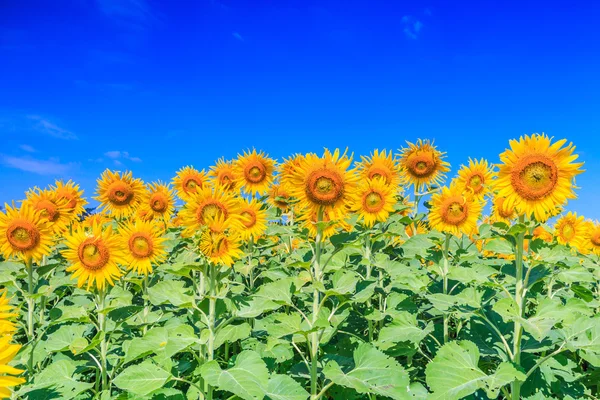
445, 283
212, 302
146, 302
103, 342
314, 353
518, 329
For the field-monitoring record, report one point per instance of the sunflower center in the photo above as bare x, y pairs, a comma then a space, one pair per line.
503, 211
534, 177
120, 193
191, 183
255, 172
476, 183
421, 165
568, 232
210, 211
595, 239
455, 211
380, 173
248, 218
48, 210
23, 235
93, 254
72, 201
158, 203
324, 187
140, 245
373, 202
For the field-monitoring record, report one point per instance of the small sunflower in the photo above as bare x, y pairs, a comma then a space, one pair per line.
571, 229
279, 197
422, 164
6, 314
7, 378
189, 181
208, 204
380, 165
219, 247
592, 238
287, 169
254, 219
24, 233
72, 194
536, 175
51, 209
476, 178
98, 218
454, 213
143, 244
373, 201
158, 201
500, 210
94, 256
541, 233
119, 194
223, 174
254, 171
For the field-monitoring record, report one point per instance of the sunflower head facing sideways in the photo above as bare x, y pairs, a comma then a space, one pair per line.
476, 178
189, 181
422, 164
71, 193
331, 224
536, 176
143, 245
454, 212
51, 208
158, 201
373, 201
219, 247
120, 194
592, 238
279, 197
223, 174
253, 219
24, 233
209, 204
254, 171
500, 210
380, 164
571, 229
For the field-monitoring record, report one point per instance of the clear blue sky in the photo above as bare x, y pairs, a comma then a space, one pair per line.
153, 85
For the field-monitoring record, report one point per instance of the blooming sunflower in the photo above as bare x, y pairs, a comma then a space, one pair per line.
207, 205
288, 167
7, 353
380, 165
119, 194
324, 182
98, 218
143, 245
94, 256
454, 213
254, 219
571, 229
158, 201
223, 174
254, 171
541, 233
6, 313
536, 175
51, 209
279, 197
72, 194
501, 211
422, 164
477, 178
220, 248
373, 201
24, 233
189, 181
592, 238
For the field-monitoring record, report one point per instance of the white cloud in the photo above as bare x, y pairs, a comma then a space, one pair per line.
49, 128
412, 26
237, 36
40, 167
119, 156
27, 148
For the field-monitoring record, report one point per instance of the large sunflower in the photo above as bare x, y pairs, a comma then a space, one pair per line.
380, 165
373, 201
94, 256
279, 197
571, 229
7, 326
158, 201
143, 245
592, 238
72, 194
51, 209
189, 181
24, 233
476, 178
219, 247
7, 378
422, 164
323, 182
223, 174
254, 171
454, 213
119, 194
205, 206
536, 176
254, 219
500, 210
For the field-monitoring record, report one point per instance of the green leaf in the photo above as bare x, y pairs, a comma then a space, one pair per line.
417, 246
283, 387
61, 339
344, 282
232, 333
500, 246
142, 379
404, 328
279, 291
60, 376
170, 292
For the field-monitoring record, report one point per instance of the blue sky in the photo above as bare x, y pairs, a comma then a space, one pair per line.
155, 85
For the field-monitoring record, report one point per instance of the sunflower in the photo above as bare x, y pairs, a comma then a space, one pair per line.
208, 204
119, 194
536, 176
454, 213
592, 238
254, 219
421, 229
541, 233
6, 313
571, 229
254, 171
7, 353
279, 197
70, 192
94, 256
143, 245
51, 209
220, 248
380, 165
189, 181
308, 220
422, 164
98, 218
476, 178
24, 233
158, 201
500, 210
223, 174
373, 201
324, 182
287, 169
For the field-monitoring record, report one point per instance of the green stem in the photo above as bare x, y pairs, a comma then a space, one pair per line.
30, 302
250, 268
103, 342
445, 283
314, 353
367, 277
146, 303
518, 329
212, 302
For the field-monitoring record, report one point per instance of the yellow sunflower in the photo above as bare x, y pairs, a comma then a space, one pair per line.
287, 169
476, 178
98, 218
536, 175
500, 210
541, 233
7, 378
254, 171
279, 197
422, 164
592, 238
51, 209
223, 174
158, 201
72, 194
189, 181
571, 229
143, 244
6, 314
119, 194
454, 213
24, 233
205, 206
254, 219
94, 256
220, 248
324, 182
380, 165
373, 201
308, 220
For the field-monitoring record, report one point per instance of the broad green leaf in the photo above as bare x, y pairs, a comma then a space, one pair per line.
278, 291
142, 379
416, 246
283, 387
63, 337
404, 328
171, 292
499, 245
61, 377
232, 333
343, 282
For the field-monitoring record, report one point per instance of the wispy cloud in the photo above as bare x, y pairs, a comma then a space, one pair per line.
27, 148
412, 26
119, 156
135, 14
237, 36
48, 127
36, 166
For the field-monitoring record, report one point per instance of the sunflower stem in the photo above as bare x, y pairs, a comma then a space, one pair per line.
212, 301
445, 282
146, 302
103, 343
367, 277
314, 353
30, 302
518, 329
250, 268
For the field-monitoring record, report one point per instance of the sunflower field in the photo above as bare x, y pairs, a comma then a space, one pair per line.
323, 276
